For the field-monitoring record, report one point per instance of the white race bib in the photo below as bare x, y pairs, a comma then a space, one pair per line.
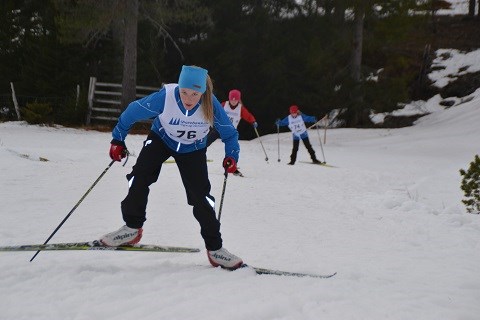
182, 128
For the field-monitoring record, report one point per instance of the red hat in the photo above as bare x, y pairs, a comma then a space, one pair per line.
293, 109
234, 95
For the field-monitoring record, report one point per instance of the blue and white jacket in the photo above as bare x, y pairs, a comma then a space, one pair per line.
153, 106
297, 125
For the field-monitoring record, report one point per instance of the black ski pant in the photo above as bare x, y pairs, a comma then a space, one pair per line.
296, 143
194, 173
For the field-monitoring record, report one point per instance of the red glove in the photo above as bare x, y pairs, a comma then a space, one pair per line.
230, 164
118, 150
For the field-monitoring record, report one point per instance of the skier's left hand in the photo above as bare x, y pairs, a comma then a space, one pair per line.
255, 124
230, 164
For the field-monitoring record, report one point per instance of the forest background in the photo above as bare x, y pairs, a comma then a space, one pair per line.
354, 55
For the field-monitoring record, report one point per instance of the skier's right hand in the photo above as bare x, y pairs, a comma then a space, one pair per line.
118, 150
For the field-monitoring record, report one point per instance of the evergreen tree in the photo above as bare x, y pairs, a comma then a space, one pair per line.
31, 57
471, 186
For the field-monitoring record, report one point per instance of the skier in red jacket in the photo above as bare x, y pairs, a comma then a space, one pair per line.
236, 111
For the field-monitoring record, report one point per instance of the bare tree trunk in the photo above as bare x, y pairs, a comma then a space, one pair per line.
434, 17
129, 81
357, 97
357, 42
339, 13
471, 8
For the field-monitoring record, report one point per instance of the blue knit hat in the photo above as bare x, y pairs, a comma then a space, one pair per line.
194, 78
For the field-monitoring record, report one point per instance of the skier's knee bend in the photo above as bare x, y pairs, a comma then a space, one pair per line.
204, 200
141, 179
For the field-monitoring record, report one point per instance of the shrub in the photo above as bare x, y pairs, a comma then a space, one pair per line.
38, 113
69, 114
471, 186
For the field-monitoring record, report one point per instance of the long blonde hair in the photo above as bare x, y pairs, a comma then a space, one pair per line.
207, 101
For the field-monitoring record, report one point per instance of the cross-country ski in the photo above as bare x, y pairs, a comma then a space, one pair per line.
96, 245
323, 164
288, 273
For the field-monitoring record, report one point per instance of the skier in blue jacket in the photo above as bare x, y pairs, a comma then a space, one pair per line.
296, 123
183, 114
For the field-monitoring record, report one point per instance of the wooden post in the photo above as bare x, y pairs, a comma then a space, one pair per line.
15, 102
91, 92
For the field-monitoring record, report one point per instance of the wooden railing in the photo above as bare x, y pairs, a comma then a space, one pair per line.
104, 99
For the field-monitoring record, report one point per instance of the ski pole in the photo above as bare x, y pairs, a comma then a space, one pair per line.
325, 131
256, 131
223, 194
321, 146
278, 141
75, 207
